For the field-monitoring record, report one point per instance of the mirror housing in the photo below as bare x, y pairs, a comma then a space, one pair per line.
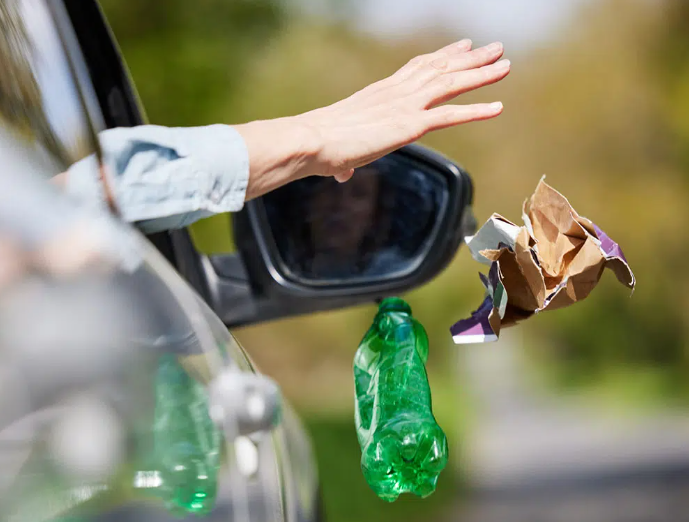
257, 285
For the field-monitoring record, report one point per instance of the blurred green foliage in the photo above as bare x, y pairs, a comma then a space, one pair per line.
672, 67
603, 111
188, 57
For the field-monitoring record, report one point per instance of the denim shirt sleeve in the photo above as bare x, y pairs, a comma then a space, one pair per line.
166, 178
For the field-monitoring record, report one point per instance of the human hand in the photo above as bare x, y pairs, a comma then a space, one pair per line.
396, 111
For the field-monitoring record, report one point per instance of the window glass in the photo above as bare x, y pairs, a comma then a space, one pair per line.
43, 125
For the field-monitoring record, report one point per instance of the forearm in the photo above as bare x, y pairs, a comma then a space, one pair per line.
280, 151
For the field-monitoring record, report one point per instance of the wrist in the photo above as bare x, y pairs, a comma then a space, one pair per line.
280, 151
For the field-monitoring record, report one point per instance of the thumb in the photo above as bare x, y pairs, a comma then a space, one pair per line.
342, 177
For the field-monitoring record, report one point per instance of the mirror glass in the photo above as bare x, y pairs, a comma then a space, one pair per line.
377, 225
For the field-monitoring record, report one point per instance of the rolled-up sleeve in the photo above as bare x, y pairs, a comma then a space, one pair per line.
166, 178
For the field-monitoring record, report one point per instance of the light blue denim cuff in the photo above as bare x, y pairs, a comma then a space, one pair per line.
165, 178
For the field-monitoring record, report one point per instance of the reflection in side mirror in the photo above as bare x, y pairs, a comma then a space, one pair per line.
377, 226
316, 244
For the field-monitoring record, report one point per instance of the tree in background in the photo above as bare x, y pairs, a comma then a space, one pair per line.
188, 58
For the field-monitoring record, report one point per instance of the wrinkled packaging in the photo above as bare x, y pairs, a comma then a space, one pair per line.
553, 261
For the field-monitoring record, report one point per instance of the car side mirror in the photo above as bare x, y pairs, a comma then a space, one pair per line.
316, 244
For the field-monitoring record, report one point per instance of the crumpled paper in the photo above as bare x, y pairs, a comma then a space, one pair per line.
556, 259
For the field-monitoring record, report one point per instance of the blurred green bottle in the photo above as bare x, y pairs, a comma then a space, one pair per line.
186, 443
403, 448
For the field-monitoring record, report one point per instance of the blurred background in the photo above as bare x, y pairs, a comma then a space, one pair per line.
576, 413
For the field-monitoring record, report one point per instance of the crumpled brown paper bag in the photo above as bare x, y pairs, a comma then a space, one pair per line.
556, 259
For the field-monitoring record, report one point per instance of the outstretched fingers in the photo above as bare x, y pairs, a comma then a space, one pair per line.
468, 60
449, 86
426, 68
452, 115
343, 177
421, 63
456, 48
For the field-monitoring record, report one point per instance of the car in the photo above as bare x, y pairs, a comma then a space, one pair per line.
310, 246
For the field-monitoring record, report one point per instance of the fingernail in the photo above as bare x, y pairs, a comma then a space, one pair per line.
497, 106
464, 43
503, 64
495, 46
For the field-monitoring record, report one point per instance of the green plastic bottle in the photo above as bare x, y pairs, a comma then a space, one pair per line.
186, 442
403, 450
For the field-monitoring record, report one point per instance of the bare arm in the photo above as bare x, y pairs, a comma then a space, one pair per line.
334, 140
382, 117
